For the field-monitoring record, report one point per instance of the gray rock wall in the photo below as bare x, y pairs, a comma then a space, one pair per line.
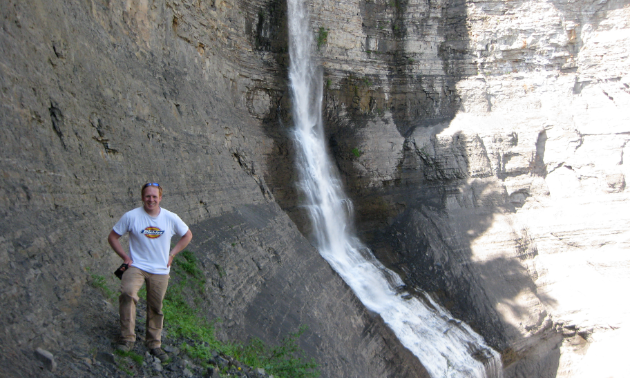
482, 144
99, 97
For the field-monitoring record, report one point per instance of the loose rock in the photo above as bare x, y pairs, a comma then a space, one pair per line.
46, 358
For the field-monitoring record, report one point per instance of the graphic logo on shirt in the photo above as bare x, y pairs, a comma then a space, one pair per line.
152, 232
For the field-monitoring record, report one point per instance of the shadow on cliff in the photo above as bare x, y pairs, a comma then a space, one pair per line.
279, 173
430, 244
410, 221
402, 96
422, 221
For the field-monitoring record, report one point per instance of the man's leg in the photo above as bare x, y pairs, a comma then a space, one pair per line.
156, 289
132, 281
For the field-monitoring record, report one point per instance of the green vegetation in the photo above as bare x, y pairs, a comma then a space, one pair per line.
99, 282
286, 360
423, 154
220, 270
187, 262
322, 37
183, 321
127, 371
125, 361
356, 152
138, 359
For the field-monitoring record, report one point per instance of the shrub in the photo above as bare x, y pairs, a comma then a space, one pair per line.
322, 37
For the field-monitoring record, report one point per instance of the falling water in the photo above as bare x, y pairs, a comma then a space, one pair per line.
445, 346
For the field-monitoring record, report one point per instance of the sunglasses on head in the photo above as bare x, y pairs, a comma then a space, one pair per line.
151, 184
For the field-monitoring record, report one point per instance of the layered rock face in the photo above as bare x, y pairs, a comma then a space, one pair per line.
482, 142
99, 97
483, 145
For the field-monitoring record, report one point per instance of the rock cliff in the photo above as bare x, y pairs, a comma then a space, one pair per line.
482, 143
99, 97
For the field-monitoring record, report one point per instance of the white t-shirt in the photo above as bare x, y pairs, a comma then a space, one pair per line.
150, 238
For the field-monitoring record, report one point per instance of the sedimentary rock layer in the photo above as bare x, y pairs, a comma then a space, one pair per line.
99, 97
483, 144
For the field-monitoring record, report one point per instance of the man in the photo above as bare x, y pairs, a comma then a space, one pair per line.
150, 230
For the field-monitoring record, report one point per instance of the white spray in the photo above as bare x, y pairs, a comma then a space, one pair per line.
445, 346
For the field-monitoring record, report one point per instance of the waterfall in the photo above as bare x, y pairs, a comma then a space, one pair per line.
445, 346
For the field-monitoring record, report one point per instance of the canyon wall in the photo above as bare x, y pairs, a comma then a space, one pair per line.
482, 143
99, 97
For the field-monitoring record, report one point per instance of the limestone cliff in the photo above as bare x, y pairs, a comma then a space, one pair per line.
99, 97
482, 143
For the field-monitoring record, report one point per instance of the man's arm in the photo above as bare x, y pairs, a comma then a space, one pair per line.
114, 242
181, 244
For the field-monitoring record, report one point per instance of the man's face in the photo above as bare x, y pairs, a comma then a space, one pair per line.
151, 198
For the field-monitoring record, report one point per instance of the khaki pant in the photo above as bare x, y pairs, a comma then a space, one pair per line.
132, 281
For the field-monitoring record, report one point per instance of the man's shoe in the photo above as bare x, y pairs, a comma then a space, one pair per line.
159, 353
125, 346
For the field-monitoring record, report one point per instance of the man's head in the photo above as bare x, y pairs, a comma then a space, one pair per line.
152, 185
151, 197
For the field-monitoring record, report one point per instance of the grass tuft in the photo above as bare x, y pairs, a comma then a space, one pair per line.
100, 282
322, 37
138, 359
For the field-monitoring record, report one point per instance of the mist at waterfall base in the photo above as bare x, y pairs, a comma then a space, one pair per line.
445, 346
